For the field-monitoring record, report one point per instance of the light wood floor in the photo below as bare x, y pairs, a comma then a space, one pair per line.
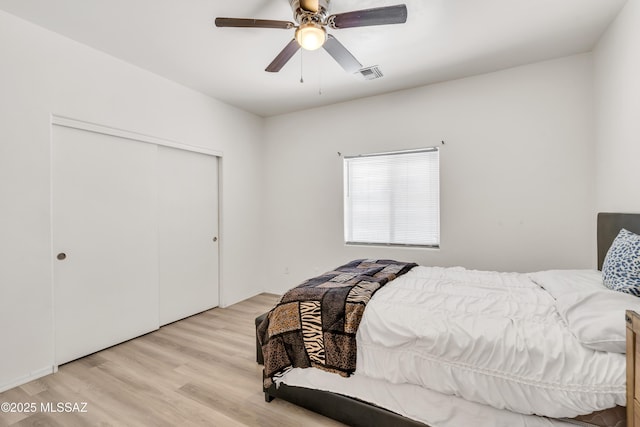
200, 371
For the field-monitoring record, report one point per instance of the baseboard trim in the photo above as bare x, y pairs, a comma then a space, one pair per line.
27, 378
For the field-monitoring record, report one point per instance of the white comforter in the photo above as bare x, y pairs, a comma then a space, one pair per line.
488, 337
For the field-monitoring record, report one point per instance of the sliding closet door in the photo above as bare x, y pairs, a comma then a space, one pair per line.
188, 233
105, 241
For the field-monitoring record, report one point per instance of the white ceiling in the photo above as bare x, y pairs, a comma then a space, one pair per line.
442, 40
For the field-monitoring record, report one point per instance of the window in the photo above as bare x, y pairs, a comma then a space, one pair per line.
393, 198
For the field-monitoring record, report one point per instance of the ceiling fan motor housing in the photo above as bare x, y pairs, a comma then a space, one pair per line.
302, 15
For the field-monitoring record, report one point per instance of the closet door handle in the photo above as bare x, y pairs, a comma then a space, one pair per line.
61, 256
215, 238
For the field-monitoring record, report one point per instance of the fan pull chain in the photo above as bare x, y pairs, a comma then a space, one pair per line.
301, 56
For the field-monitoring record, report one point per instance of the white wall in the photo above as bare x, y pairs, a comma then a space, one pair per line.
42, 73
516, 172
617, 95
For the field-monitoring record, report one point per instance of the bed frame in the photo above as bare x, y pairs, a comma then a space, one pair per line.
633, 371
357, 413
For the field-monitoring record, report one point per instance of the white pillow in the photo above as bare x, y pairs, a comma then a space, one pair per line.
593, 313
596, 317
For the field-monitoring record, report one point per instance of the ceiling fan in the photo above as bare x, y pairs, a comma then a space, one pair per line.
311, 34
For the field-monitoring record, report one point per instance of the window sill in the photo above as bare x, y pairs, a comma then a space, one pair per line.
393, 245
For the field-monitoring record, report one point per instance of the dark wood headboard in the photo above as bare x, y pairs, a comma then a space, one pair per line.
609, 225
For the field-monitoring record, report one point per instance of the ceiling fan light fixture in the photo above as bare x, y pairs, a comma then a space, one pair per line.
311, 36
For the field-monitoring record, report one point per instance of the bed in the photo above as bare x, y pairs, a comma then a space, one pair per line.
370, 399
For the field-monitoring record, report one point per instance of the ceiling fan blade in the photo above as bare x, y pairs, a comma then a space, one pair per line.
367, 17
309, 5
253, 23
283, 57
341, 55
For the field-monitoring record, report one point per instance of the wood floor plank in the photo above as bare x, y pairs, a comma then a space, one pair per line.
199, 371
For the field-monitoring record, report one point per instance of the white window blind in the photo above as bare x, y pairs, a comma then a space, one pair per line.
393, 198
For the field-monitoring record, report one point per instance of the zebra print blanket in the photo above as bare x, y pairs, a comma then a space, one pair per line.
315, 323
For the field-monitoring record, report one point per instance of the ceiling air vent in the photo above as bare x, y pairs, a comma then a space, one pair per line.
371, 73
